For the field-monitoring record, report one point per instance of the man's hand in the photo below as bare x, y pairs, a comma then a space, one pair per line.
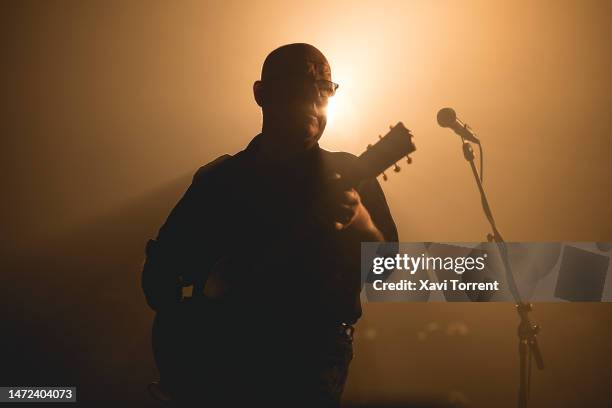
349, 214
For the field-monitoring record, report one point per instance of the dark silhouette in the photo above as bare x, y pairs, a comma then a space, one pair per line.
268, 242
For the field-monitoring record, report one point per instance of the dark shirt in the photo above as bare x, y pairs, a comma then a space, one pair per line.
260, 222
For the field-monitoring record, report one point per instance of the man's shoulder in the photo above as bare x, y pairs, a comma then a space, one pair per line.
339, 160
211, 167
339, 155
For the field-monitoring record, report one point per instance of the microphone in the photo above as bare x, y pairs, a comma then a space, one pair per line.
448, 118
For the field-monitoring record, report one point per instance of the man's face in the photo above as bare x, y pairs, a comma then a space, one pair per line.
296, 106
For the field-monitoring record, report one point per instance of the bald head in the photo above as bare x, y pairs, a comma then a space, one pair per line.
293, 92
295, 60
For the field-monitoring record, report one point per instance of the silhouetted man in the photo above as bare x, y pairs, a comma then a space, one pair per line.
269, 242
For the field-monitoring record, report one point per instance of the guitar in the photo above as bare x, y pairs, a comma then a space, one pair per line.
391, 148
176, 332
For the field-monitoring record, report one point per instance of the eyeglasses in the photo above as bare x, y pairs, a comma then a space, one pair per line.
325, 88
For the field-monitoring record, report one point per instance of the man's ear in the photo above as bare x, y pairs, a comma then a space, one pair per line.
258, 92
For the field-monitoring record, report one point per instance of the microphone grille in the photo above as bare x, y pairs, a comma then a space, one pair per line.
446, 117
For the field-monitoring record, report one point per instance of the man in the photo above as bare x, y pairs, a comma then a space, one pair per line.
269, 241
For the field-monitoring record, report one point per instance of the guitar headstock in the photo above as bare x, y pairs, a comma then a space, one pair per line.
391, 148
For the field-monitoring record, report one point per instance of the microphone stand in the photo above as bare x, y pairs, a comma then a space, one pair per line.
527, 332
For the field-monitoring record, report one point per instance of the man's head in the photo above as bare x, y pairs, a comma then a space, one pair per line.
293, 91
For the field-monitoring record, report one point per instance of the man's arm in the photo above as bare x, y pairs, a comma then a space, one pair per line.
364, 213
361, 225
185, 246
373, 198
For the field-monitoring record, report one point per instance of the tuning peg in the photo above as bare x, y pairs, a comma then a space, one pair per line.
408, 159
384, 176
379, 136
368, 147
396, 168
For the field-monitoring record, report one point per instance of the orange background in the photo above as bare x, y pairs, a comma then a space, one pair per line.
109, 107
